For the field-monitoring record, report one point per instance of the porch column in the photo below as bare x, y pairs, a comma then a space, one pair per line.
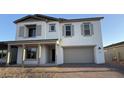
39, 53
8, 54
23, 54
59, 54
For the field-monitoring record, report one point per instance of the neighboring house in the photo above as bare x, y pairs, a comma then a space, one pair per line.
114, 52
44, 40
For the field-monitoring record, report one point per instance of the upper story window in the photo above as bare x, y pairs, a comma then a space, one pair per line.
68, 30
52, 28
87, 29
31, 30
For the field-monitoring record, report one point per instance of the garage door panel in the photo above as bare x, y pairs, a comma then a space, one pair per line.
78, 55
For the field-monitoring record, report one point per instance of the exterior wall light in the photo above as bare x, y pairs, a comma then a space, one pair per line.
57, 42
99, 48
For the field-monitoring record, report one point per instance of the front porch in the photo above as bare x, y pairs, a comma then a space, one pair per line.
32, 52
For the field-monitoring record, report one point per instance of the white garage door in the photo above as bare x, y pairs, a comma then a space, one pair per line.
78, 54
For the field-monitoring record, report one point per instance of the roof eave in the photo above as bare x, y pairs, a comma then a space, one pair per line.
39, 17
49, 17
116, 44
83, 19
16, 21
26, 17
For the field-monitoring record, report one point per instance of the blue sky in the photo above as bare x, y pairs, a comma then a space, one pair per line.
112, 26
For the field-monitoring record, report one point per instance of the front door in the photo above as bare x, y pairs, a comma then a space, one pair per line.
13, 55
53, 55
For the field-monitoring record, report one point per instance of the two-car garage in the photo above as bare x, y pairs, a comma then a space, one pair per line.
78, 54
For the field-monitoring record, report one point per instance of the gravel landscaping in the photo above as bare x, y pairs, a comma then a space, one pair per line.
93, 71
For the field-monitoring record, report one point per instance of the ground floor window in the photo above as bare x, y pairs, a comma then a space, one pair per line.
3, 53
31, 53
0, 54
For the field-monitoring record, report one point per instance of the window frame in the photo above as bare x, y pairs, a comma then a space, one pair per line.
31, 34
29, 58
2, 54
50, 26
31, 26
85, 30
66, 30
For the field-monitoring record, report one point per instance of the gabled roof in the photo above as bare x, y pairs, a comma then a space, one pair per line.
116, 44
27, 17
48, 18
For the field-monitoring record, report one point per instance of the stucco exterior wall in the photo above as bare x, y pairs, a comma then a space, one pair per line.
45, 33
115, 53
52, 35
77, 40
121, 52
80, 40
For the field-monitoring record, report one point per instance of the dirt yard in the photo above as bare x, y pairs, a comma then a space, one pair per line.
62, 72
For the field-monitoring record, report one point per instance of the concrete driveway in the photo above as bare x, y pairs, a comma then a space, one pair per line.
65, 71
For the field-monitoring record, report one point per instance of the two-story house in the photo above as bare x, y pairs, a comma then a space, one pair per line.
42, 40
